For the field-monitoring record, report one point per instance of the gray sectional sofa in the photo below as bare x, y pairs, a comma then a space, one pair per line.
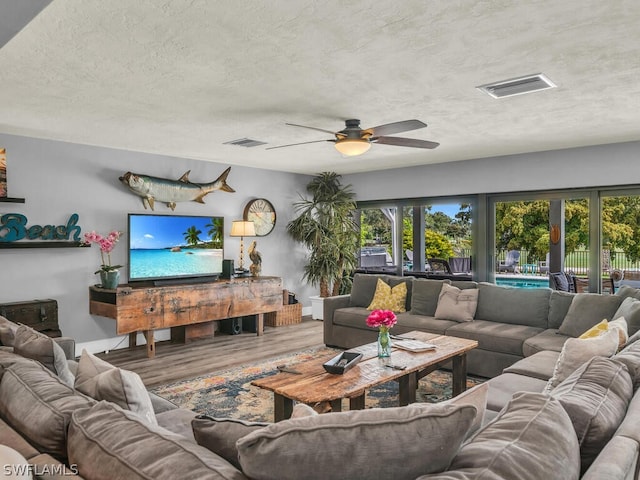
509, 323
512, 426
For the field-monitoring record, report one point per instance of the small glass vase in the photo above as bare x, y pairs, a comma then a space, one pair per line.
384, 343
110, 279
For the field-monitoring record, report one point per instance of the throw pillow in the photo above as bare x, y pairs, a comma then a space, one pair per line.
219, 435
586, 310
456, 304
596, 330
531, 438
399, 442
577, 351
387, 298
620, 324
596, 397
7, 331
102, 381
107, 442
35, 345
476, 396
14, 465
630, 310
630, 356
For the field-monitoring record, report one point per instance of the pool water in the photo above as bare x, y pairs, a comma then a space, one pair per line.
523, 282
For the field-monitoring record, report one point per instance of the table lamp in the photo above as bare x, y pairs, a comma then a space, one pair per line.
240, 228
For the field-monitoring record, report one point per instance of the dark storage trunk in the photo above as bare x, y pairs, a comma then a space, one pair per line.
41, 315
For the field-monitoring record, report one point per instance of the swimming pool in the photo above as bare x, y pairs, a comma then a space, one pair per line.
523, 282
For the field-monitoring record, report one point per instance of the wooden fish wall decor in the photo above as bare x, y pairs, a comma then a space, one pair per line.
153, 189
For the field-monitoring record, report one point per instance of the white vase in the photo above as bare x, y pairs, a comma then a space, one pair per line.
317, 307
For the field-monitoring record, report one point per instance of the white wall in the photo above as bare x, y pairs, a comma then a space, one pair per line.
58, 179
614, 164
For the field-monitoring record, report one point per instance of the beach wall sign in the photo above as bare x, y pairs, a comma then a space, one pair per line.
14, 227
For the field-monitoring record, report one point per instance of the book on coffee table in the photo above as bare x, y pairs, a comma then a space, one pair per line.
413, 345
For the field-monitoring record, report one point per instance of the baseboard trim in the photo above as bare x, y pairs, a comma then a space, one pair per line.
105, 345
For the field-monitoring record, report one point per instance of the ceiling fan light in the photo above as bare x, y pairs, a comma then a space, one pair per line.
352, 146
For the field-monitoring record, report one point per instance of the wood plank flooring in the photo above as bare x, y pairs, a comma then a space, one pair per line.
178, 361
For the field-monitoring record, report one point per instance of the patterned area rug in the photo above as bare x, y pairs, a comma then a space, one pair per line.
230, 394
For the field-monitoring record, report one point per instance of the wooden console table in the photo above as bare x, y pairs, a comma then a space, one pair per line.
189, 309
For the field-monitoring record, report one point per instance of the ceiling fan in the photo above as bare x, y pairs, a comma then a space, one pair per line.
354, 140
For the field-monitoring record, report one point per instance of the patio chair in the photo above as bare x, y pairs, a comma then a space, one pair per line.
543, 266
562, 281
439, 265
510, 263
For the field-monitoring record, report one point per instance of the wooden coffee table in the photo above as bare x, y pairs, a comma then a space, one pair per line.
313, 385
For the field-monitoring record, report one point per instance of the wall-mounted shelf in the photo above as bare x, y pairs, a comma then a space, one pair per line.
11, 200
51, 244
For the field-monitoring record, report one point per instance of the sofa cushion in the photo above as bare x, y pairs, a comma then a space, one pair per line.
221, 434
521, 306
7, 331
539, 365
352, 317
177, 420
618, 460
35, 345
630, 310
550, 339
13, 439
107, 442
504, 386
626, 291
577, 351
424, 297
494, 336
408, 321
399, 443
386, 297
559, 303
36, 403
596, 397
532, 438
362, 289
456, 304
630, 356
586, 310
102, 381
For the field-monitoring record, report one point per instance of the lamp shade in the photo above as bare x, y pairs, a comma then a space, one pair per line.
240, 228
353, 146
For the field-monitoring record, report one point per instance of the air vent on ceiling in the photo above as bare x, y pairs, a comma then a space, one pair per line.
245, 142
517, 86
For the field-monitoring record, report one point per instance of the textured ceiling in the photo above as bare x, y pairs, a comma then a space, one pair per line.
180, 78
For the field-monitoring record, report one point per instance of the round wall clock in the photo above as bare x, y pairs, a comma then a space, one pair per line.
262, 214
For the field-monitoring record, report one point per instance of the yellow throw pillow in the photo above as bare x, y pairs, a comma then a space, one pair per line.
387, 298
596, 330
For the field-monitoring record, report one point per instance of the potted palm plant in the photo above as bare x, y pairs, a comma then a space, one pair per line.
325, 225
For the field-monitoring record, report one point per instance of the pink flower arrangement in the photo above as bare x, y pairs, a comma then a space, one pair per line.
107, 245
381, 319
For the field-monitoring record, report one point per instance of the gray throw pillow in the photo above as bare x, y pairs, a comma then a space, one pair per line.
107, 442
628, 291
596, 397
35, 345
400, 443
220, 435
7, 331
102, 381
363, 288
630, 310
532, 438
586, 310
424, 297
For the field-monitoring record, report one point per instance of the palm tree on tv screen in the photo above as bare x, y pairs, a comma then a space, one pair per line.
191, 236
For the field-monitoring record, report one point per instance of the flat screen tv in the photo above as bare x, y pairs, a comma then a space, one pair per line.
175, 247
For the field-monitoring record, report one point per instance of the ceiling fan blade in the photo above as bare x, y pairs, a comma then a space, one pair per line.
405, 142
301, 143
396, 127
312, 128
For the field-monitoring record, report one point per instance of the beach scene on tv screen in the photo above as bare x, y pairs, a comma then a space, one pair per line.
162, 246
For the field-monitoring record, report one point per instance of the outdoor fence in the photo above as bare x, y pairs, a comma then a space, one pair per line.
578, 261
